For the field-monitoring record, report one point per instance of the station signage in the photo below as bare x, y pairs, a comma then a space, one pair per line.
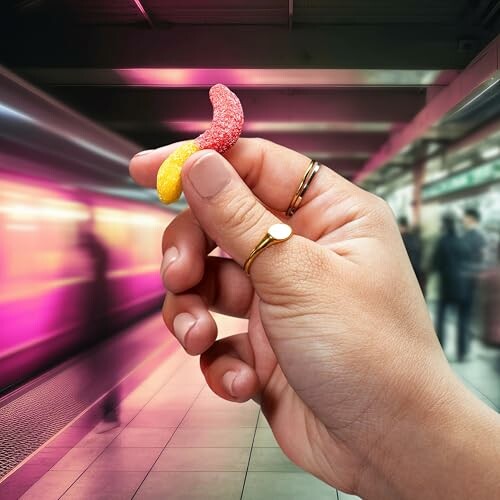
484, 174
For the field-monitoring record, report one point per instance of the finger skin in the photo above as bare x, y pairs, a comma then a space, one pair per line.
225, 288
232, 216
232, 354
272, 172
204, 332
186, 236
144, 166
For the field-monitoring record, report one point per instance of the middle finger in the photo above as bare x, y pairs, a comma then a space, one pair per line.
225, 288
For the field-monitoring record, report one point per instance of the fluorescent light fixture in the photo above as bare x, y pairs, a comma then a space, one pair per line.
259, 127
51, 212
257, 77
486, 154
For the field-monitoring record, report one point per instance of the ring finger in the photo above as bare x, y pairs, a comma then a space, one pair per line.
225, 288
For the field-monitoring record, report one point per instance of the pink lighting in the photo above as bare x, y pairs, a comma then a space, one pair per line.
258, 77
260, 127
47, 274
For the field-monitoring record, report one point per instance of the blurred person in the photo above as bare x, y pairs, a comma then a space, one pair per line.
474, 240
98, 324
413, 245
340, 350
448, 262
492, 236
474, 243
491, 303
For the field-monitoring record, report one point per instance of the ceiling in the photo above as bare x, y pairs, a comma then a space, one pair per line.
334, 79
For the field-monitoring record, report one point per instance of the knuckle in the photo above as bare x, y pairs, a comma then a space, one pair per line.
265, 149
241, 213
262, 144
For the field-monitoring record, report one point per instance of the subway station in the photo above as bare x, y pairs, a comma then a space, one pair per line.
250, 250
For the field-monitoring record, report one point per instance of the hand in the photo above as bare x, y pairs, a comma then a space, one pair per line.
340, 350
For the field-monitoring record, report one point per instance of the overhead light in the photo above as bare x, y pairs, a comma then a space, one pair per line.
259, 127
490, 152
463, 164
274, 77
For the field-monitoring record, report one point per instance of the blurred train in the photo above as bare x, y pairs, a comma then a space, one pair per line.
62, 254
77, 262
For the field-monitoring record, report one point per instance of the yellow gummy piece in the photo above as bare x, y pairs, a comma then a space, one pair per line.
168, 180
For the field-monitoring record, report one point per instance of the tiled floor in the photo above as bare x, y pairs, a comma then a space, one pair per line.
178, 440
481, 373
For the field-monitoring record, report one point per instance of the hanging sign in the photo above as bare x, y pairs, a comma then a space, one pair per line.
484, 174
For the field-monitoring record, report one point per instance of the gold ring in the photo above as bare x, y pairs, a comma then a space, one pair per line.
277, 233
311, 171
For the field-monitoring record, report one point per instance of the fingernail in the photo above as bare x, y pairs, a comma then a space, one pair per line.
209, 175
182, 324
228, 382
145, 152
170, 256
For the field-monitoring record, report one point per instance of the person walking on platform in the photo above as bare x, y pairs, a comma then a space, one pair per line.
448, 262
491, 303
98, 326
413, 245
474, 243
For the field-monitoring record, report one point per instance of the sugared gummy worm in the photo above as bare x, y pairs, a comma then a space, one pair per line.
226, 127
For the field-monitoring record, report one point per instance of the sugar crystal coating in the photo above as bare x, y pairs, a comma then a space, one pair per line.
226, 127
227, 122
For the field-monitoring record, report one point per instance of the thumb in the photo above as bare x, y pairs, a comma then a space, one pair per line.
236, 220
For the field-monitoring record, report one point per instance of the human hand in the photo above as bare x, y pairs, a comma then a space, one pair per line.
340, 350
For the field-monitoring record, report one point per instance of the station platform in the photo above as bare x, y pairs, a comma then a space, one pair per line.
175, 440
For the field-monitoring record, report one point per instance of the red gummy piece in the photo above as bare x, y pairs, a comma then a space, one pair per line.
227, 122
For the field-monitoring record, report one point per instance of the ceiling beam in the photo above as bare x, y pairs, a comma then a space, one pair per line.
479, 77
235, 46
287, 78
130, 104
343, 144
329, 145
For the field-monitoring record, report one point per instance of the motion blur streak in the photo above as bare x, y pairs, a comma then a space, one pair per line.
45, 273
71, 272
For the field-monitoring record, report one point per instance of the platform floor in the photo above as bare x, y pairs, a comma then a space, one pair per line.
177, 440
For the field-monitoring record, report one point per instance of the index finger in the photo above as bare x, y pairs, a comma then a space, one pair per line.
271, 171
